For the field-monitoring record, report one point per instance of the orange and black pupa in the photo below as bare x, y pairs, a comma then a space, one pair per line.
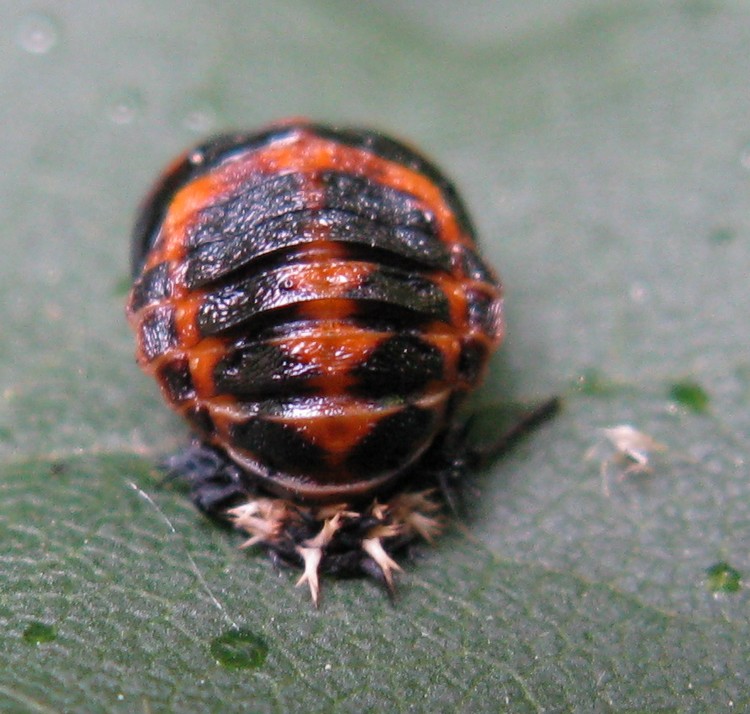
311, 299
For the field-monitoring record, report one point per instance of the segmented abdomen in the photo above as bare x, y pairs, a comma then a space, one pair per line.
312, 301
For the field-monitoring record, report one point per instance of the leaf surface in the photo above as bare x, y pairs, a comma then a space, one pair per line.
602, 147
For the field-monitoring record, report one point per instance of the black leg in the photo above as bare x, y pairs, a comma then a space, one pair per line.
529, 419
455, 456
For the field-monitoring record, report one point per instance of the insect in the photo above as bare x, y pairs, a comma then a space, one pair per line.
632, 450
311, 300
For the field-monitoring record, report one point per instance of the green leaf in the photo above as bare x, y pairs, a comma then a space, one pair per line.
603, 148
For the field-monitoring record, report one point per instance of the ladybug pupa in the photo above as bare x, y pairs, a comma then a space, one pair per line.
311, 300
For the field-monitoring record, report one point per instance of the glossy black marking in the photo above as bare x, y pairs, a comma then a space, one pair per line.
472, 360
394, 245
151, 216
388, 318
401, 242
399, 366
206, 157
474, 267
233, 304
405, 290
175, 378
157, 332
200, 420
274, 214
213, 260
278, 446
383, 204
392, 442
258, 368
153, 286
393, 150
201, 160
482, 312
250, 204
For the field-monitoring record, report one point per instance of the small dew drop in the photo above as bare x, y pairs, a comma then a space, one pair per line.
723, 578
37, 33
200, 119
39, 633
638, 293
124, 107
239, 649
593, 383
690, 395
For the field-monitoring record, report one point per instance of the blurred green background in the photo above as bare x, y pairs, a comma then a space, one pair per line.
604, 149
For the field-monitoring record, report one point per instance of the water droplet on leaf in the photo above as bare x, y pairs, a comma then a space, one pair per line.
690, 395
38, 633
723, 578
200, 117
124, 106
239, 649
593, 383
37, 33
